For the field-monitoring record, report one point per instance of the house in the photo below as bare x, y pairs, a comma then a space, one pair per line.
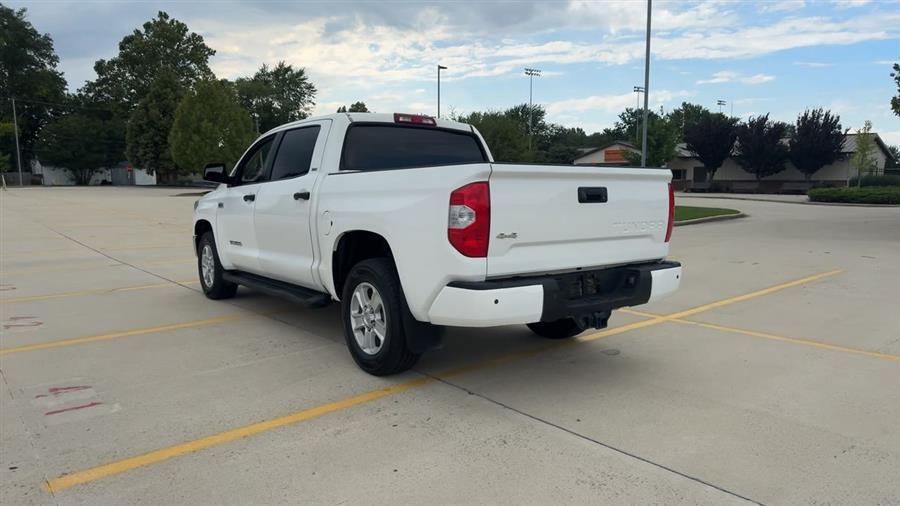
689, 174
611, 155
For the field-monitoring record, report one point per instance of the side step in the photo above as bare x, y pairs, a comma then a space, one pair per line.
295, 293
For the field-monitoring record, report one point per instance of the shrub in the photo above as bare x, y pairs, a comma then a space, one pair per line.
865, 195
878, 181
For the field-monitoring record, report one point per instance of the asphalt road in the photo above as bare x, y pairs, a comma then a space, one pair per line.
772, 377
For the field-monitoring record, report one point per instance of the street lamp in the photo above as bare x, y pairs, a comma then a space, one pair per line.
439, 69
530, 73
637, 90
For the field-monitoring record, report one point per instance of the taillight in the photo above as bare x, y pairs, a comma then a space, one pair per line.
414, 119
671, 213
469, 221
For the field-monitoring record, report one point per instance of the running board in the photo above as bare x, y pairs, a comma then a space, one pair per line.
295, 293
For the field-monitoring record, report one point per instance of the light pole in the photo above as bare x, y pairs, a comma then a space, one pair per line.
721, 103
530, 73
646, 87
18, 152
440, 68
637, 90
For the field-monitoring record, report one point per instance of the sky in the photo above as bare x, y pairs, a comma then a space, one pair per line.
777, 57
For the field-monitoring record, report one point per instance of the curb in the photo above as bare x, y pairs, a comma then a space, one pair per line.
805, 203
721, 217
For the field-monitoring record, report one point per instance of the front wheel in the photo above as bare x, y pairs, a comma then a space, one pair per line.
210, 270
559, 329
375, 318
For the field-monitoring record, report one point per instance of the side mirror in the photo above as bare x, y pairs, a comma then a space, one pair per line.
215, 172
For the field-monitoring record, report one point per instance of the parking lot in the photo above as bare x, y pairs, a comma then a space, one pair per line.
772, 377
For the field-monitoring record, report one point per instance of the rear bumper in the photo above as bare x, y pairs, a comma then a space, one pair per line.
588, 296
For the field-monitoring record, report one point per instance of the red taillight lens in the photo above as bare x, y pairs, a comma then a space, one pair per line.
469, 221
671, 213
414, 119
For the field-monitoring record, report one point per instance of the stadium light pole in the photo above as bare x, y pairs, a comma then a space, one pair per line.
18, 151
439, 69
531, 73
646, 87
721, 103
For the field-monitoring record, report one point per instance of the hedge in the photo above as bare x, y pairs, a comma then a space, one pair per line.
864, 195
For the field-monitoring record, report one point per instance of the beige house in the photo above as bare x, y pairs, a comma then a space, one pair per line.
689, 174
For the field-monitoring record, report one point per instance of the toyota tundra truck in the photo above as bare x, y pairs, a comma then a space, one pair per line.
411, 225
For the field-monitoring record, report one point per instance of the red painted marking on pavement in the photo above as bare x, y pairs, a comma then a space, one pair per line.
58, 411
61, 390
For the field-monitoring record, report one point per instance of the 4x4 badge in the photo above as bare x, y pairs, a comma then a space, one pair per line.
503, 235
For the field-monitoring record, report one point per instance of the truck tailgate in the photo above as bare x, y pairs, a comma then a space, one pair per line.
553, 218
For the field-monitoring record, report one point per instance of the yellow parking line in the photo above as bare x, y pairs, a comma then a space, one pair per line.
106, 470
127, 333
98, 291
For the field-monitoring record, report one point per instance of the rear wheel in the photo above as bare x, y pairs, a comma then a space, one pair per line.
376, 318
210, 270
559, 329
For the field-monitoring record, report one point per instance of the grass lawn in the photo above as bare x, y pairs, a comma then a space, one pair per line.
683, 213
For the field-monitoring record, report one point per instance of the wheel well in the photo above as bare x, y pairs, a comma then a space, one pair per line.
353, 248
200, 228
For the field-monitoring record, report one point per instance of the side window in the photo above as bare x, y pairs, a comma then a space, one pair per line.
252, 168
295, 152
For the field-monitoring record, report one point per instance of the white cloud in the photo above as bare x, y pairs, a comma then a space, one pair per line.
610, 103
849, 4
813, 64
727, 76
886, 62
780, 5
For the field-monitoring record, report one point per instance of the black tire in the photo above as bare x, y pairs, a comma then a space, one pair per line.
394, 354
559, 329
220, 289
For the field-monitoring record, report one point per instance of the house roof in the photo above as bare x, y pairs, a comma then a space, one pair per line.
587, 151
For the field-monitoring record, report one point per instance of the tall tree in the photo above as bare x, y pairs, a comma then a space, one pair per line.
354, 107
503, 135
82, 143
710, 137
864, 157
28, 73
895, 101
817, 140
163, 44
894, 161
149, 126
210, 126
277, 95
662, 136
686, 114
762, 150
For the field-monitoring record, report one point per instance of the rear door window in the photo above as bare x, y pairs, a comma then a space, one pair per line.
295, 152
384, 147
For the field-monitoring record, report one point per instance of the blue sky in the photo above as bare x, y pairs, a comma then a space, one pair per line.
768, 56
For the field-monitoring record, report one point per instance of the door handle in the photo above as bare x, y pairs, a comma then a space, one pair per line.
301, 195
249, 197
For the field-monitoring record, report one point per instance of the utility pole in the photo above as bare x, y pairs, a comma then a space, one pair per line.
18, 152
646, 87
531, 73
439, 68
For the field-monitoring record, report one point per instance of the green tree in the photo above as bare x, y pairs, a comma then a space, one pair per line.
662, 136
28, 73
210, 126
762, 151
6, 131
81, 143
895, 101
277, 95
147, 138
687, 114
503, 135
893, 161
354, 107
817, 140
864, 158
164, 44
710, 137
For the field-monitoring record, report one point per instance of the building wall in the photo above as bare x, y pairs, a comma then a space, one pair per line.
612, 154
56, 176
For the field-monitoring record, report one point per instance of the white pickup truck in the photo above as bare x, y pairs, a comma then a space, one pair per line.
411, 225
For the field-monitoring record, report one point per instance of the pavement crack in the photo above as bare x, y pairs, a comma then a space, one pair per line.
584, 437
